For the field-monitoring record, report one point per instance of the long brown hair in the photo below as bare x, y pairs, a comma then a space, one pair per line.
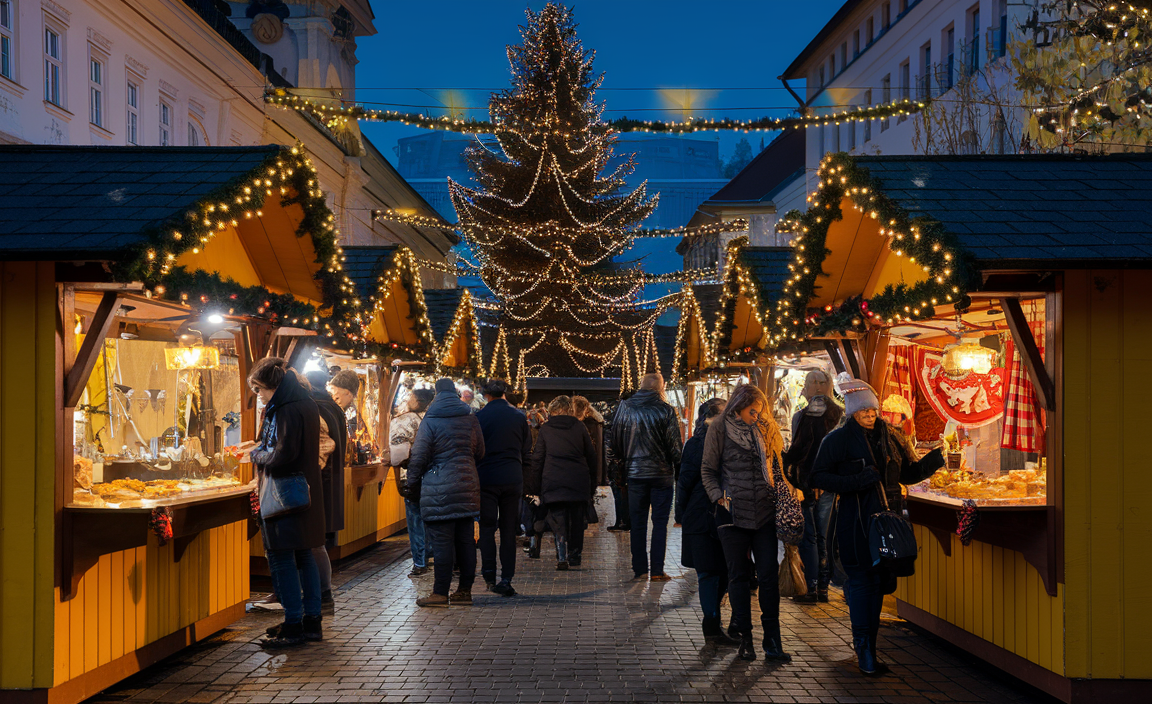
747, 395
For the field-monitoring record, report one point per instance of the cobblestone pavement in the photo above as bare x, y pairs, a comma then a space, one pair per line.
587, 635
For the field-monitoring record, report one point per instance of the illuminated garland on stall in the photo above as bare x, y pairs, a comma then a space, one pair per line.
287, 174
690, 314
463, 323
922, 240
738, 281
335, 116
405, 270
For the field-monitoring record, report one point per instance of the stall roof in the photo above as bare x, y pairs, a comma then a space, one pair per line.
1028, 208
769, 269
365, 264
388, 278
442, 304
64, 202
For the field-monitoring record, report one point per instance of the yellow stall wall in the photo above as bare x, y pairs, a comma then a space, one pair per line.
990, 592
1107, 474
28, 419
135, 597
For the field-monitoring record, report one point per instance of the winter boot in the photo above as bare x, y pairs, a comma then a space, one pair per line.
561, 554
822, 590
773, 647
865, 655
809, 597
313, 628
881, 668
460, 597
290, 634
747, 649
534, 547
715, 635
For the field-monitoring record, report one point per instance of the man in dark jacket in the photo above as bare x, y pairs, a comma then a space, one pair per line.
507, 444
865, 461
331, 476
442, 472
645, 442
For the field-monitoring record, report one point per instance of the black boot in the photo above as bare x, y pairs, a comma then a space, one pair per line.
881, 668
822, 590
313, 628
809, 596
865, 655
715, 635
773, 647
290, 634
747, 649
561, 554
534, 547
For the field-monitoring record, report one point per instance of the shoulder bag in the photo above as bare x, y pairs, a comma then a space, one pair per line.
891, 542
789, 517
283, 496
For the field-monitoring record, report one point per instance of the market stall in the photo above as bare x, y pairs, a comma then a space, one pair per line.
128, 324
981, 297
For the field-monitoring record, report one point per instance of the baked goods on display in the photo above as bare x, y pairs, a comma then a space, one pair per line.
128, 493
1022, 487
81, 473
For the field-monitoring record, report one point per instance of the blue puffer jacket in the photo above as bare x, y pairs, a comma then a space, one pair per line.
442, 466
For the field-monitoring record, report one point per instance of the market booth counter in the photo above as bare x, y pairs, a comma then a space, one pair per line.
993, 306
127, 326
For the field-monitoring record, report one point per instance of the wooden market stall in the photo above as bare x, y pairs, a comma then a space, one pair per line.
999, 303
138, 285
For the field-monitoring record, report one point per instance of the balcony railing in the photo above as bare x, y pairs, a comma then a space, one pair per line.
945, 74
996, 44
923, 87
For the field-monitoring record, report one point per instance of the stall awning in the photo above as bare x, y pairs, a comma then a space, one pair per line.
455, 325
396, 319
693, 349
243, 230
753, 281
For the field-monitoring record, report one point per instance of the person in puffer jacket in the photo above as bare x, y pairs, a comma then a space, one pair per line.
646, 446
442, 473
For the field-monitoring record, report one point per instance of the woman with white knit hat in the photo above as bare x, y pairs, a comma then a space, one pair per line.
864, 462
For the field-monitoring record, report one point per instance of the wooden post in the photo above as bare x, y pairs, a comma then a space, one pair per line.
1029, 352
81, 367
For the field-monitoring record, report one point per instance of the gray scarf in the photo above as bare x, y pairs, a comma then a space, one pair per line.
746, 436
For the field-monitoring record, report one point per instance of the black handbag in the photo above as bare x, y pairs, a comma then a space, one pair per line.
283, 496
891, 542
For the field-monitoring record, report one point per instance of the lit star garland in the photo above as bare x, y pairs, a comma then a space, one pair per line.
690, 315
923, 241
404, 270
336, 115
463, 325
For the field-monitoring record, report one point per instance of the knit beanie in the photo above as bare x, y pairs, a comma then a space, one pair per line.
858, 396
445, 385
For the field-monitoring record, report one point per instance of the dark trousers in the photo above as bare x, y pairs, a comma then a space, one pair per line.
567, 521
713, 586
297, 582
864, 593
814, 546
452, 543
620, 502
645, 494
499, 508
738, 542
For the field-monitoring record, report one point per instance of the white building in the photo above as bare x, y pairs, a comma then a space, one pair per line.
182, 72
874, 52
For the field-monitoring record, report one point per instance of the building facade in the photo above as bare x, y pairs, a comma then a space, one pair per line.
194, 73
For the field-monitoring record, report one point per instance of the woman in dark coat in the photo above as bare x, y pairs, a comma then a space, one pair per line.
289, 444
701, 543
739, 470
442, 473
865, 461
334, 426
563, 476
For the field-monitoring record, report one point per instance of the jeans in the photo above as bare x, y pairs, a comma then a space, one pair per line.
762, 543
421, 550
713, 586
499, 508
567, 521
642, 495
297, 582
452, 541
323, 567
865, 596
814, 547
620, 501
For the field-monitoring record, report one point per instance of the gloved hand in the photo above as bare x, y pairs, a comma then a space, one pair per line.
534, 500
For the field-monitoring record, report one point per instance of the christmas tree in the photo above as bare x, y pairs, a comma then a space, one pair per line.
549, 215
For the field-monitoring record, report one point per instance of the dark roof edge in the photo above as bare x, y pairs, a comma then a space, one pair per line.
879, 158
992, 265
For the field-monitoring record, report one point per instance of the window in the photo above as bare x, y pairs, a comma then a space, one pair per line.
871, 24
903, 6
132, 129
1002, 38
96, 91
6, 52
973, 63
193, 137
867, 123
165, 124
924, 80
905, 80
820, 80
855, 43
196, 135
832, 65
949, 67
885, 16
886, 89
843, 56
53, 67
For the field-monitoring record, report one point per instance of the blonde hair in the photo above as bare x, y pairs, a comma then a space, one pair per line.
580, 406
560, 406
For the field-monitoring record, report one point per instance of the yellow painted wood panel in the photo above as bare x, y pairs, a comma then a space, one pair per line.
990, 592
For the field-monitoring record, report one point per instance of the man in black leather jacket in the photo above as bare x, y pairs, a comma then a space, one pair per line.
645, 442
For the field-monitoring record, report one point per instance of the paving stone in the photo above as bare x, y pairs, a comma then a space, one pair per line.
585, 635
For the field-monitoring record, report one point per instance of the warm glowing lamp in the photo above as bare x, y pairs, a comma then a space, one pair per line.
968, 357
183, 358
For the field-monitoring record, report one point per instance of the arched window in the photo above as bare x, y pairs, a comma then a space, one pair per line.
197, 137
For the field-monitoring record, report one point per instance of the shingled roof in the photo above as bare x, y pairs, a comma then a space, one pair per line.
1029, 208
442, 304
364, 265
769, 268
94, 202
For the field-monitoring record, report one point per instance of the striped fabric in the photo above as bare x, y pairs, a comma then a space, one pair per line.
1023, 418
901, 378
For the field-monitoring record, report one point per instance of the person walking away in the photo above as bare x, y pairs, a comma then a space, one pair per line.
809, 426
289, 444
508, 448
533, 513
739, 469
563, 463
442, 473
645, 440
401, 433
864, 462
333, 445
616, 478
594, 422
702, 550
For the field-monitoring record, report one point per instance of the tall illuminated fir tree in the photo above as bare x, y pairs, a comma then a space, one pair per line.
550, 214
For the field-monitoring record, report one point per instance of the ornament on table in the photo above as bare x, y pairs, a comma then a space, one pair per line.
161, 523
967, 520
